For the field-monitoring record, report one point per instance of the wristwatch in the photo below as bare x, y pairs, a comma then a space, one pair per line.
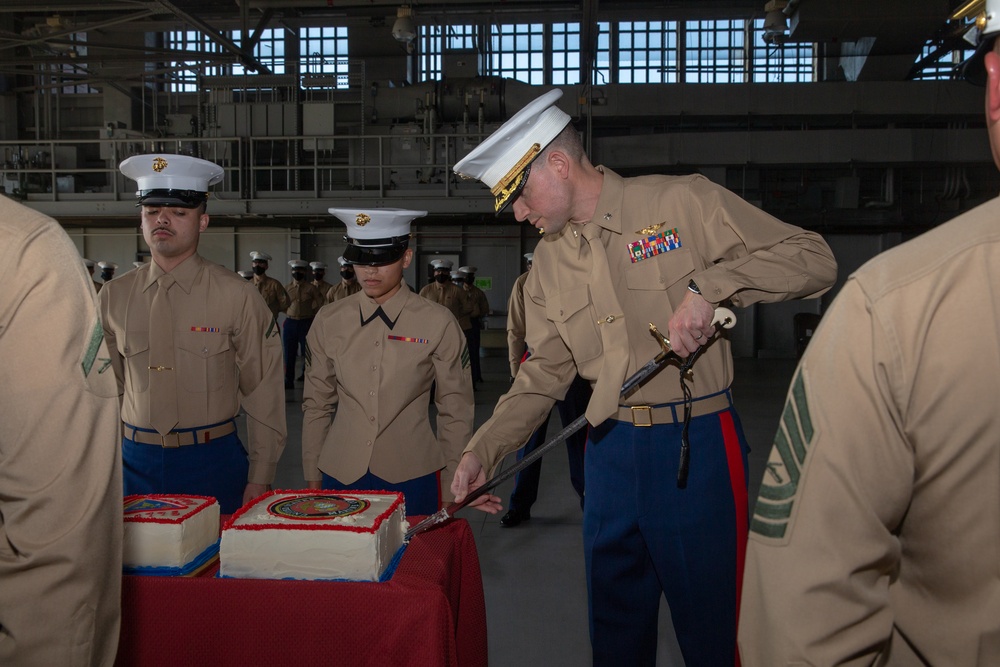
693, 286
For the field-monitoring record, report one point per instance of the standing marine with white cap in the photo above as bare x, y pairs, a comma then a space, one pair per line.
107, 270
446, 293
348, 284
876, 535
319, 278
480, 309
270, 288
305, 300
191, 344
372, 361
617, 254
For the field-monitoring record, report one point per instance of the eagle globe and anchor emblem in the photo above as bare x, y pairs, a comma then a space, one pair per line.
317, 507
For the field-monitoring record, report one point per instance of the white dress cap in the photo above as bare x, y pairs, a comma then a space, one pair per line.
376, 236
316, 266
468, 269
529, 256
107, 265
246, 274
439, 264
138, 264
342, 261
499, 162
298, 264
457, 275
258, 256
179, 180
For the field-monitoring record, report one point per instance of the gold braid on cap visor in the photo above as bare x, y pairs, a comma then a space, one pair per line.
511, 184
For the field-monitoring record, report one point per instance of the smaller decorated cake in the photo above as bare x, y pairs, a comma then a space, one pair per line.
169, 534
347, 535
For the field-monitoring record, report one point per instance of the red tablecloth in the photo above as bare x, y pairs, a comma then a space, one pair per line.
432, 612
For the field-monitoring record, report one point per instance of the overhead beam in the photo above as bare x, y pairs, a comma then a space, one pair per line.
245, 57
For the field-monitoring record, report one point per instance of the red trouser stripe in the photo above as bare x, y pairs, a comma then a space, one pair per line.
737, 479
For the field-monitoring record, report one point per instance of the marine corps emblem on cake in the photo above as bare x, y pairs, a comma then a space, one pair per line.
317, 507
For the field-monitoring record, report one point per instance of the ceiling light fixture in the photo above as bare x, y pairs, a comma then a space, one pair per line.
404, 29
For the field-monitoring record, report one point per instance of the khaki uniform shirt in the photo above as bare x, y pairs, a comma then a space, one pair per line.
60, 461
374, 382
274, 294
324, 289
452, 297
342, 290
515, 325
228, 354
480, 304
733, 251
876, 536
304, 299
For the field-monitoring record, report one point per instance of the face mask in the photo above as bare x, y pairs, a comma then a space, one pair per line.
298, 275
319, 275
442, 278
106, 275
347, 275
259, 270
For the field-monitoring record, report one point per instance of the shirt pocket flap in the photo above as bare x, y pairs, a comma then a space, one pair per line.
564, 305
202, 344
133, 343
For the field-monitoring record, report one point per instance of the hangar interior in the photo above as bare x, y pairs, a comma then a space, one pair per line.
847, 117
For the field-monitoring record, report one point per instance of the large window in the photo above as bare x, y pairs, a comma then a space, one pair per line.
566, 54
324, 53
647, 52
269, 51
184, 79
714, 51
781, 63
937, 63
437, 40
517, 51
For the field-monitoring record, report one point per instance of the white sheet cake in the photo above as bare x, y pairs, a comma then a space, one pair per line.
350, 535
169, 534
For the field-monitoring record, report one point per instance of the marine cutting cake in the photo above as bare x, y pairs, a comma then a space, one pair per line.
169, 534
347, 535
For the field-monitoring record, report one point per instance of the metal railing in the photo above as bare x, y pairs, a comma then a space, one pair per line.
269, 168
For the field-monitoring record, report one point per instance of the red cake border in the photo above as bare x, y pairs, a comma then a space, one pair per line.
160, 496
229, 525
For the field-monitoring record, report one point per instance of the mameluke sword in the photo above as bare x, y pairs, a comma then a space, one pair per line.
723, 318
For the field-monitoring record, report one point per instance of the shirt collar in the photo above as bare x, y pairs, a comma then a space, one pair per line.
392, 308
184, 273
607, 214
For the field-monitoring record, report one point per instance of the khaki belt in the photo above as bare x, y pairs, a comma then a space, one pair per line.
182, 437
672, 413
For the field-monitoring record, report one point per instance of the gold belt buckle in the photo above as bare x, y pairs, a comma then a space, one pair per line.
642, 415
170, 440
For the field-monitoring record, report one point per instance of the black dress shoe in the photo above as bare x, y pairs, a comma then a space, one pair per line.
514, 518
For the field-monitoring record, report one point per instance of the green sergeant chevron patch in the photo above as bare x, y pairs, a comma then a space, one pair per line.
773, 511
93, 346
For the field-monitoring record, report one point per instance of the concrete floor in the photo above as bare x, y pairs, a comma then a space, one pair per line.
533, 575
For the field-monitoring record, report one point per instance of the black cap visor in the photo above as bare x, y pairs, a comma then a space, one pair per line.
386, 251
165, 197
